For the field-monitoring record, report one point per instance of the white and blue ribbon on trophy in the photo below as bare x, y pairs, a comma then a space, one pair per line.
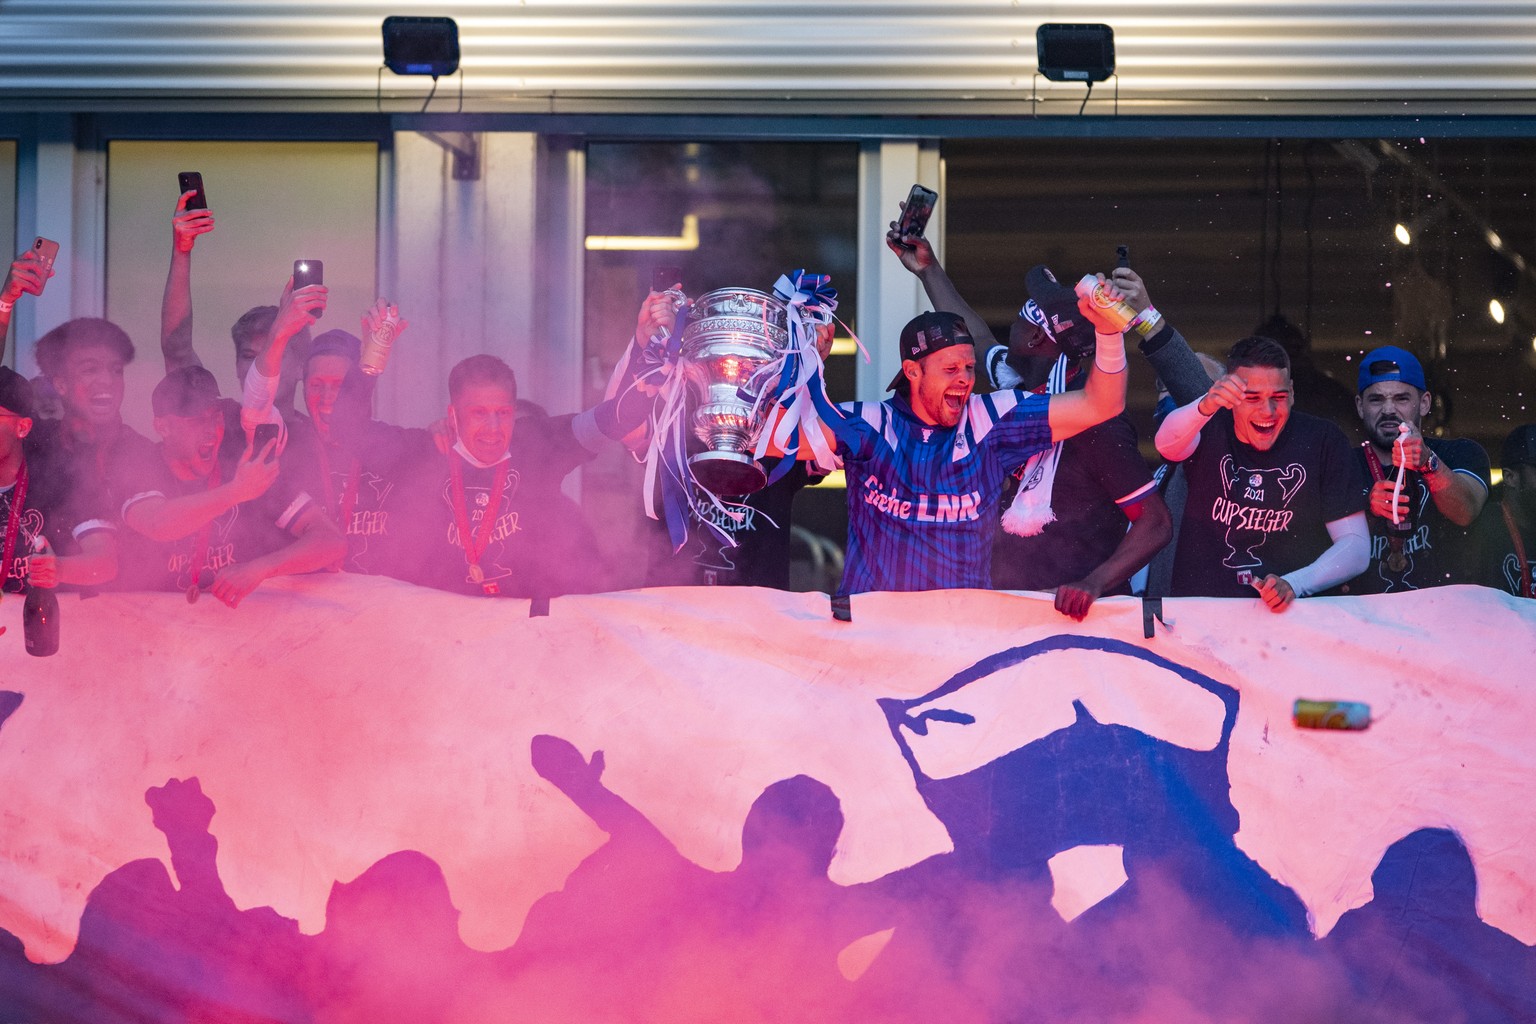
796, 404
795, 408
665, 436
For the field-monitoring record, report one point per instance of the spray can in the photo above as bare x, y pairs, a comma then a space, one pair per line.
376, 348
1092, 289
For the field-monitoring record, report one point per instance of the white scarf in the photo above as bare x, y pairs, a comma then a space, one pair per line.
1031, 510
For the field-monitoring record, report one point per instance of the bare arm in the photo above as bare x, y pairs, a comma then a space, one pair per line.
296, 310
95, 563
1103, 394
176, 304
317, 545
26, 276
1151, 529
160, 518
941, 291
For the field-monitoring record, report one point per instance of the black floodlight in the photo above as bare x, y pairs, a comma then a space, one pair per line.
421, 46
1075, 53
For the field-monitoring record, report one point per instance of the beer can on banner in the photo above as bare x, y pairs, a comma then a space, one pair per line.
1332, 714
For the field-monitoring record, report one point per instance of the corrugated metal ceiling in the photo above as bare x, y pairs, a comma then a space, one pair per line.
961, 56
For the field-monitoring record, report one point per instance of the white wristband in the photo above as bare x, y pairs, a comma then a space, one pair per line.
1109, 352
6, 307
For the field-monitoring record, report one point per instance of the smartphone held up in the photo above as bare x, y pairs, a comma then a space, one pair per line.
308, 272
192, 181
915, 213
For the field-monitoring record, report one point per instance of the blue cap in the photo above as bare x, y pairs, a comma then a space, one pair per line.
1390, 363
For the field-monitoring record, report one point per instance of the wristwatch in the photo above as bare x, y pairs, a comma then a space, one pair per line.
1431, 461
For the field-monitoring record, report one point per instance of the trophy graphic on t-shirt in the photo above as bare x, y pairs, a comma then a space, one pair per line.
1256, 504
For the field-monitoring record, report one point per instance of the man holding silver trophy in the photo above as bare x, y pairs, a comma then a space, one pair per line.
925, 468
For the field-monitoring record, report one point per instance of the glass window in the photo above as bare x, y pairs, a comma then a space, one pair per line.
1231, 233
8, 239
274, 202
726, 215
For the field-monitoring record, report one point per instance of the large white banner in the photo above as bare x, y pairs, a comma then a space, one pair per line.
333, 721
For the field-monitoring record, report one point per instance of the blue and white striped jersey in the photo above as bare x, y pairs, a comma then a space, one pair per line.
923, 500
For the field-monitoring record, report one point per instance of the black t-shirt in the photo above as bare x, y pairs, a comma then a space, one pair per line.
528, 551
353, 487
1435, 551
53, 509
1097, 469
1252, 513
239, 534
761, 555
1500, 559
84, 469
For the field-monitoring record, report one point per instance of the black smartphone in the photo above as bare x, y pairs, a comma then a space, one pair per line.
663, 278
192, 181
265, 434
914, 216
1122, 256
307, 272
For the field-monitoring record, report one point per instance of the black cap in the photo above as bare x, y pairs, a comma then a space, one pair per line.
1057, 314
16, 393
1520, 447
189, 391
928, 333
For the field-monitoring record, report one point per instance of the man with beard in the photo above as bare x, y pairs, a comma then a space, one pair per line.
1276, 498
199, 519
1081, 495
1419, 527
926, 467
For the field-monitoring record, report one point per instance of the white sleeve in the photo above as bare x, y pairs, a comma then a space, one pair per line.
258, 405
1347, 557
1179, 434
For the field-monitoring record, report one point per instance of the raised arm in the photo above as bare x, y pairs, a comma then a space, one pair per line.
1179, 435
26, 276
258, 392
559, 761
176, 304
1103, 395
917, 256
1176, 364
638, 381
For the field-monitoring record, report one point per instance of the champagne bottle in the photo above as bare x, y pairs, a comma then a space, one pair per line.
40, 614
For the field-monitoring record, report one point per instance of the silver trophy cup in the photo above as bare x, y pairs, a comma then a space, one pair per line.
733, 333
